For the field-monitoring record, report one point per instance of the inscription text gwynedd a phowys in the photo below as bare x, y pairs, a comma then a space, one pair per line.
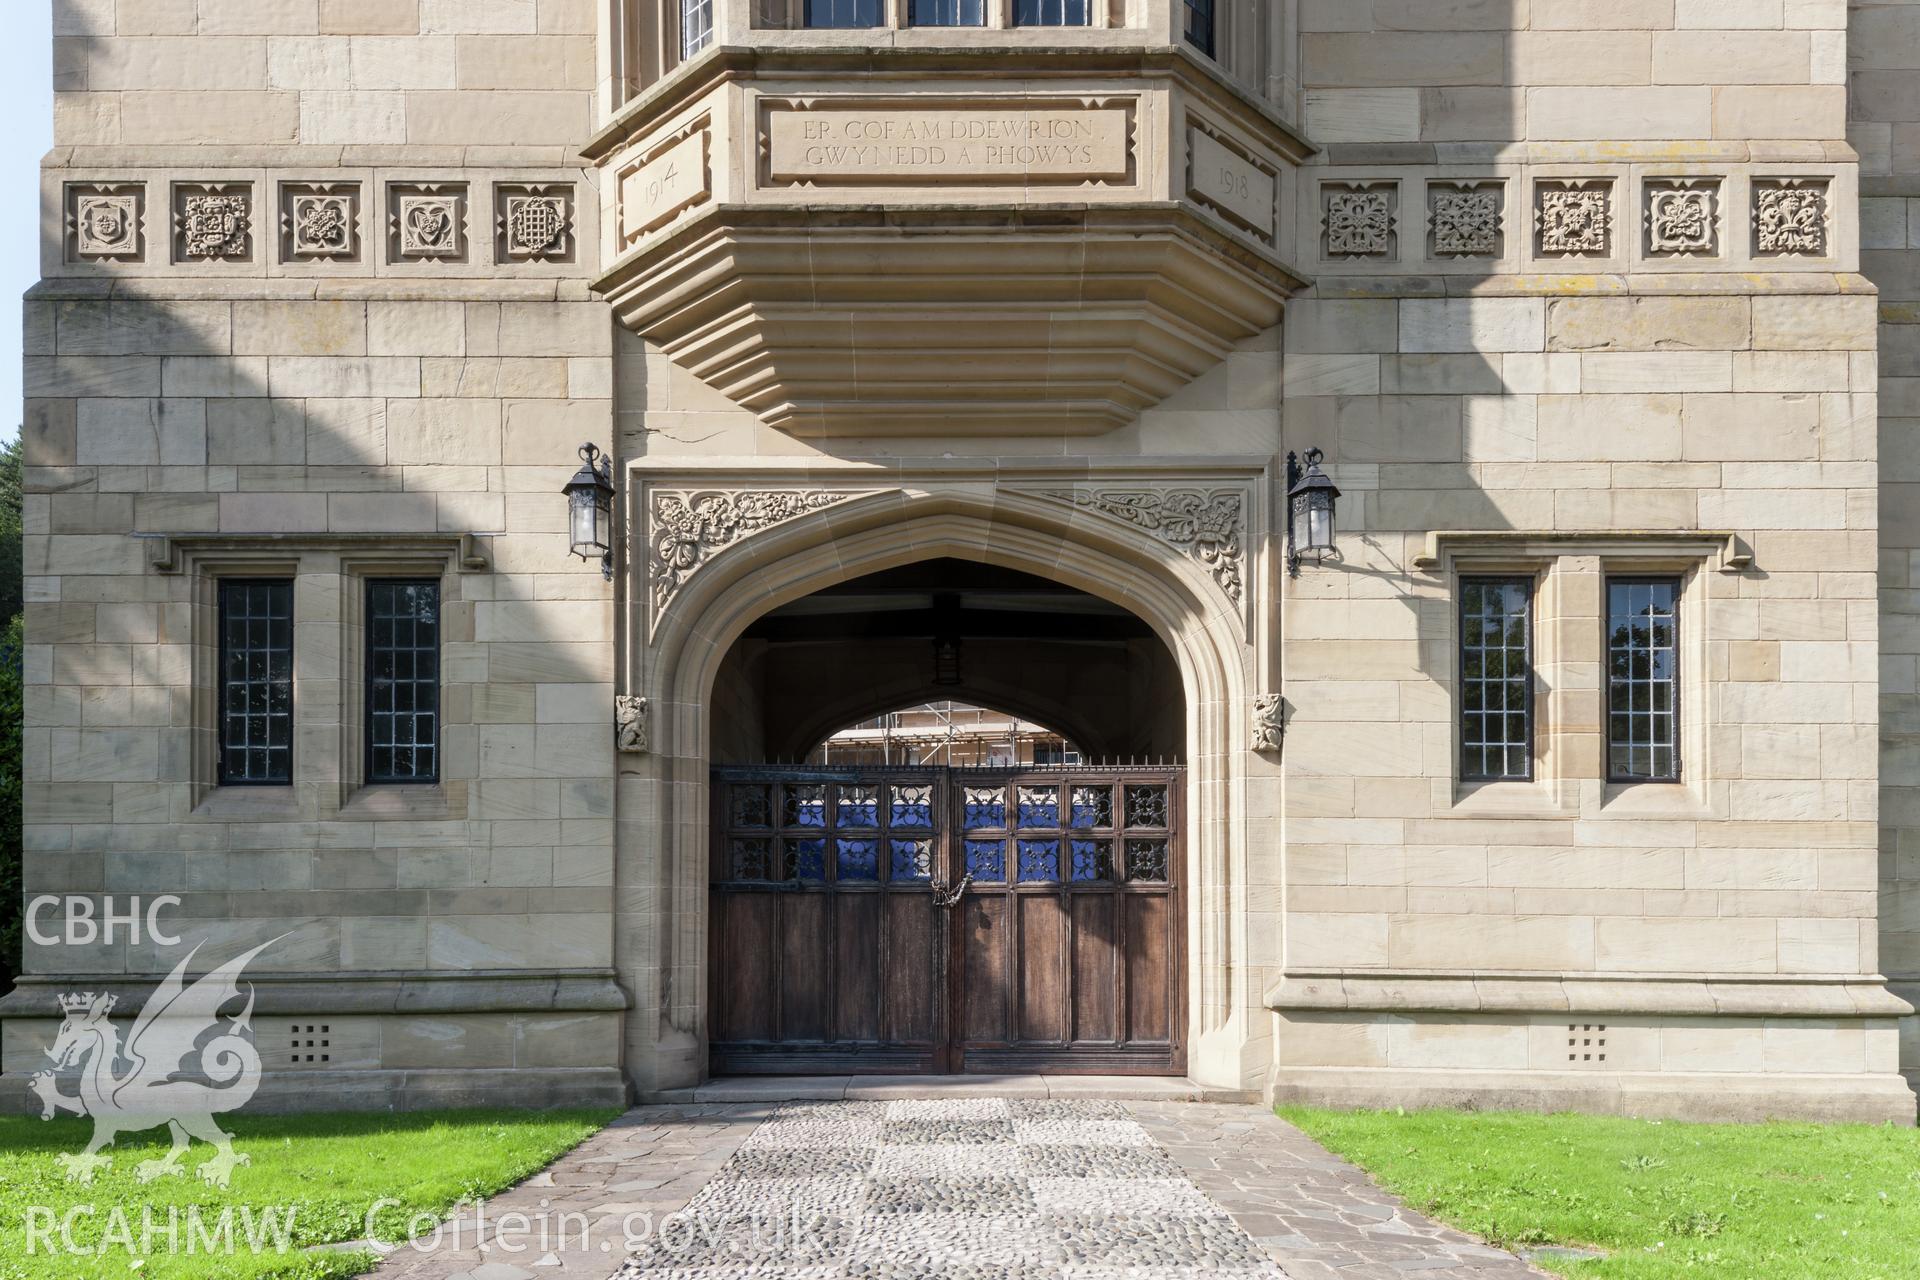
907, 143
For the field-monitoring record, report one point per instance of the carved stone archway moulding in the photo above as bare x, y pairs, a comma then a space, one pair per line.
1211, 523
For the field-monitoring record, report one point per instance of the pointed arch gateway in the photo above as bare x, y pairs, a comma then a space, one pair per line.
832, 528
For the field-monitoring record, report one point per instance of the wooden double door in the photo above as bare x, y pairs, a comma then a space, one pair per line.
905, 920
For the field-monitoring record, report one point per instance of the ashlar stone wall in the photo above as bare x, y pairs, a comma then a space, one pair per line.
315, 305
1884, 53
1587, 304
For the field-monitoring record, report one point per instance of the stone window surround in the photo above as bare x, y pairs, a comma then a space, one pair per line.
330, 575
1570, 572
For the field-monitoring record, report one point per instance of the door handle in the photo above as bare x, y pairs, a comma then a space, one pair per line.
949, 898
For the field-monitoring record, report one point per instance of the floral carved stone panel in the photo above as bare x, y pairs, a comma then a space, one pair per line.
1466, 220
1574, 219
1208, 524
1359, 221
104, 223
688, 528
213, 223
1683, 217
1790, 217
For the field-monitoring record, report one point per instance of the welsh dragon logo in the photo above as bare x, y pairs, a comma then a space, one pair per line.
184, 1062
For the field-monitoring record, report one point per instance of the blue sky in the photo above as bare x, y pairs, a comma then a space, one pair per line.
26, 86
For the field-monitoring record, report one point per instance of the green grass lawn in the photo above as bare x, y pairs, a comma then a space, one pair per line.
329, 1169
1668, 1200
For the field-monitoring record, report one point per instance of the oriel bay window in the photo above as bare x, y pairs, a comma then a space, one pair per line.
947, 13
845, 13
1052, 13
1199, 25
256, 681
696, 26
403, 680
1496, 679
1643, 679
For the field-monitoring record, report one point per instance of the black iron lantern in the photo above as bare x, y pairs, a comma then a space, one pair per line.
1310, 501
590, 508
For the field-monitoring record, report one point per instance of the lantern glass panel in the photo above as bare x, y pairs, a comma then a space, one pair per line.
585, 523
1319, 523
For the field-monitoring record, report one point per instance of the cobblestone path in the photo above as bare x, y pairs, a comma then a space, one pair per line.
967, 1188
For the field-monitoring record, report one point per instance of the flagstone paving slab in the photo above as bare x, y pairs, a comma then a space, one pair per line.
955, 1188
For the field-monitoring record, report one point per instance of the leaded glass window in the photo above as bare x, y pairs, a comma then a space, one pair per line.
1051, 13
947, 13
1643, 680
403, 681
696, 26
844, 13
1200, 25
256, 681
1496, 678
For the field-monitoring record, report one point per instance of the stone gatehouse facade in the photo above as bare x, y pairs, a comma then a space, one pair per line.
957, 348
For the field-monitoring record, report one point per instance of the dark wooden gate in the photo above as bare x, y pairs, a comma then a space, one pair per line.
931, 920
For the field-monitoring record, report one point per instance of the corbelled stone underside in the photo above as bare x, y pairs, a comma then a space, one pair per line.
876, 321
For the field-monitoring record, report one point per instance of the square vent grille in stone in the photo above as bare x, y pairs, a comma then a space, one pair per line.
213, 222
1466, 220
427, 222
1573, 219
1359, 221
1586, 1044
1790, 217
1683, 217
106, 223
534, 224
320, 223
312, 1044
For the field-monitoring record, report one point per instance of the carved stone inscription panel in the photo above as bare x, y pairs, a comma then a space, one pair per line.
843, 142
670, 178
1239, 188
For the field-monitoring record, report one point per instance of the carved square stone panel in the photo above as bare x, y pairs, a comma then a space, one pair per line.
1573, 219
1466, 219
427, 222
1792, 217
106, 223
533, 223
319, 222
1682, 217
1359, 220
213, 222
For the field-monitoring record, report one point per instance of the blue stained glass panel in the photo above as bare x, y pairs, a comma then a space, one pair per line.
912, 859
1090, 859
859, 859
1039, 807
806, 806
987, 859
1092, 807
806, 859
859, 807
912, 807
1039, 860
984, 807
